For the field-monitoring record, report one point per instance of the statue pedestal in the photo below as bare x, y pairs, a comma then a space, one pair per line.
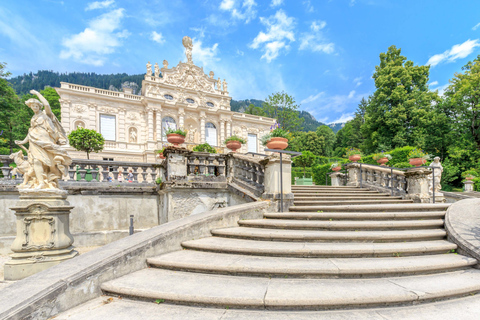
43, 234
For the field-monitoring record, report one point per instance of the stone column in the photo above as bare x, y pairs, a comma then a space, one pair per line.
65, 106
158, 127
353, 174
272, 180
222, 132
336, 179
468, 185
150, 124
417, 184
43, 234
229, 128
202, 127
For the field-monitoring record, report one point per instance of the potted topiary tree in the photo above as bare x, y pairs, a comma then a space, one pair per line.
354, 154
470, 174
382, 158
417, 157
176, 136
234, 143
277, 138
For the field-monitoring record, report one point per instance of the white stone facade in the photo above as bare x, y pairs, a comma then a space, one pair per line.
184, 97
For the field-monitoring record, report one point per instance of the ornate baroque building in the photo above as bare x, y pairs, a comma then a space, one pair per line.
179, 97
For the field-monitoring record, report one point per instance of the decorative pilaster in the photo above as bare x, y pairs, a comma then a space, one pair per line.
222, 132
229, 128
202, 127
245, 136
92, 117
65, 106
158, 127
150, 124
122, 128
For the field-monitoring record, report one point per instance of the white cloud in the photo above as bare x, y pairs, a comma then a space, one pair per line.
205, 55
344, 117
315, 40
352, 3
277, 37
476, 26
440, 89
240, 52
157, 37
308, 6
97, 40
357, 81
458, 51
312, 98
99, 5
351, 94
432, 84
276, 3
245, 12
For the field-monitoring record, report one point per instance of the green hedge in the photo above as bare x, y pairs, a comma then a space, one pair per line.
399, 157
326, 160
298, 172
321, 170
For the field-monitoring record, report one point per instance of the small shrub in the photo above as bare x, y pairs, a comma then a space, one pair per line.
177, 131
235, 138
204, 148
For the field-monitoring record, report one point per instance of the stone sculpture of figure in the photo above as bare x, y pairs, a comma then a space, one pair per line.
165, 64
191, 134
187, 43
45, 137
157, 70
211, 74
149, 69
219, 84
133, 135
438, 175
225, 86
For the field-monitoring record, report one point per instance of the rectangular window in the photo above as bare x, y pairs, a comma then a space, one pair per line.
252, 143
108, 127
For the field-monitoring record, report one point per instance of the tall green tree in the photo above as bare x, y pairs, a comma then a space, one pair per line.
253, 109
307, 159
307, 141
86, 140
283, 107
400, 107
9, 106
329, 137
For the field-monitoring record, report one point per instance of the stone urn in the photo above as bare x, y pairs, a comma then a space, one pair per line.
355, 157
234, 145
382, 161
175, 139
161, 156
277, 143
337, 168
417, 162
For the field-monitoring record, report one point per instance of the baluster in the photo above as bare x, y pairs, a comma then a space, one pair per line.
135, 173
72, 169
6, 169
94, 172
144, 174
191, 165
105, 172
253, 174
221, 165
153, 174
201, 165
115, 172
210, 165
82, 171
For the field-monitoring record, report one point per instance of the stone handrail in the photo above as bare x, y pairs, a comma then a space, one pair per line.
100, 171
248, 171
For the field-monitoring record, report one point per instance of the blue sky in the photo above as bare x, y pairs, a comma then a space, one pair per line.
321, 52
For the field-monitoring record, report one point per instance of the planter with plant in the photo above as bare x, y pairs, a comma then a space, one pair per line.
417, 157
354, 154
470, 174
382, 158
277, 139
176, 136
234, 143
335, 166
205, 147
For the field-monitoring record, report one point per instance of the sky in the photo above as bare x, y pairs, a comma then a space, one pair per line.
322, 52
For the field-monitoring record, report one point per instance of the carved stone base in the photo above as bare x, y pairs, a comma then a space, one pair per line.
43, 235
26, 264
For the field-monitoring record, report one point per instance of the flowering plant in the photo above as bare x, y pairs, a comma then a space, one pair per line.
353, 151
418, 153
381, 155
176, 131
235, 138
334, 165
275, 132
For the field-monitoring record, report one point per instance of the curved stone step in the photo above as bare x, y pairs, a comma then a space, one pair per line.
343, 224
356, 215
374, 208
349, 202
338, 236
280, 293
319, 249
220, 263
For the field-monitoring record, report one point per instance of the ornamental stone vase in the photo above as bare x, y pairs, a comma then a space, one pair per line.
277, 143
337, 168
234, 145
382, 161
417, 162
355, 157
175, 139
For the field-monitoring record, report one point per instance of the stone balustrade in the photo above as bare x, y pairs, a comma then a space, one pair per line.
82, 170
248, 171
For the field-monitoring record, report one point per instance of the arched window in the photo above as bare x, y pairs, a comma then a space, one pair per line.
190, 100
209, 104
167, 123
78, 124
210, 134
168, 97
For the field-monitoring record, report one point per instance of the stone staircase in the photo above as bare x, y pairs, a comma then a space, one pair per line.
337, 248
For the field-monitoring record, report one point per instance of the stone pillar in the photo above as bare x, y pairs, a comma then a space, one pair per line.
417, 184
229, 128
272, 180
353, 174
468, 185
122, 128
222, 132
65, 106
158, 127
245, 136
336, 179
181, 117
202, 127
176, 163
150, 124
43, 235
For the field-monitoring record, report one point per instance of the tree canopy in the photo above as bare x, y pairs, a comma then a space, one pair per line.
283, 107
86, 140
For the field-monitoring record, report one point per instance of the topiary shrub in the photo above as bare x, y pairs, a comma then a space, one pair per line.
204, 148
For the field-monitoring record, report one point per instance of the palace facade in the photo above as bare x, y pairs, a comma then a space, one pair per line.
179, 97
